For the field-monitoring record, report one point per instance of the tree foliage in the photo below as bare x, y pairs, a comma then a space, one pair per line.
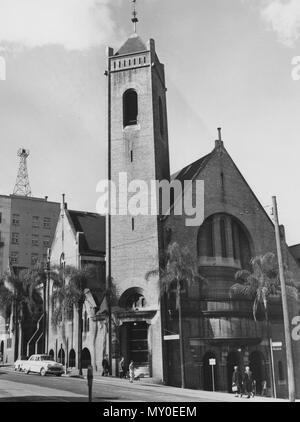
262, 282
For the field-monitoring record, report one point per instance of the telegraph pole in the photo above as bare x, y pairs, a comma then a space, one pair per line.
286, 321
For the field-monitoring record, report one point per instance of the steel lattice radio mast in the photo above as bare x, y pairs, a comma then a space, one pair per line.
22, 186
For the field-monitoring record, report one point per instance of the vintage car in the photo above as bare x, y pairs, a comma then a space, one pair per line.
41, 364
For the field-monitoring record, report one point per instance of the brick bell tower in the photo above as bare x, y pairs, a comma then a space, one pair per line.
137, 147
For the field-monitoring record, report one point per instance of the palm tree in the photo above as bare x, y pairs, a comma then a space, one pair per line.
177, 271
259, 285
20, 293
70, 287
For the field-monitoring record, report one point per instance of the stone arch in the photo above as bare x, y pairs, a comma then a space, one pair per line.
51, 353
258, 368
233, 359
230, 233
72, 358
132, 298
86, 359
61, 356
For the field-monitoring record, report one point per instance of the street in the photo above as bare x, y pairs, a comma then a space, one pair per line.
19, 387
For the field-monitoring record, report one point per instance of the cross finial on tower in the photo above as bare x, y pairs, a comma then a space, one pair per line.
134, 19
220, 133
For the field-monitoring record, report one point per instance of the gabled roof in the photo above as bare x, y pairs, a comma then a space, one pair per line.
188, 172
134, 44
92, 226
295, 251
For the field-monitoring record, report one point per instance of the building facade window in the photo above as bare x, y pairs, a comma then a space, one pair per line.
35, 221
34, 258
223, 237
228, 232
130, 108
14, 258
46, 241
47, 223
16, 219
86, 322
35, 240
0, 217
15, 238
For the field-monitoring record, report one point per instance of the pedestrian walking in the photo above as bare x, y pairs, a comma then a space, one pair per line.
264, 388
247, 383
131, 371
105, 366
122, 372
236, 381
253, 392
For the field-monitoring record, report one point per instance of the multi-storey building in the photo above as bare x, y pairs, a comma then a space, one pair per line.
27, 226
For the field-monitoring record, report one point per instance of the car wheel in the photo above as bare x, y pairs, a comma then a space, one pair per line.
20, 369
27, 371
43, 372
58, 375
15, 368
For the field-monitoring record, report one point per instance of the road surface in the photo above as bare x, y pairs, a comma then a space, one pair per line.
19, 387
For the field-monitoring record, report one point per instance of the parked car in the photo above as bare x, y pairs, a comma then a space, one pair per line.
18, 365
40, 364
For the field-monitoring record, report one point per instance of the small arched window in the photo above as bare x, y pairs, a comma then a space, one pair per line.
161, 117
85, 322
130, 108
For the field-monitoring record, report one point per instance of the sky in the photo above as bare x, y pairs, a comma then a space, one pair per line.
228, 64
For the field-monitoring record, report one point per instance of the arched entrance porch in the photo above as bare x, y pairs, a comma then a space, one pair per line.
257, 366
233, 359
85, 358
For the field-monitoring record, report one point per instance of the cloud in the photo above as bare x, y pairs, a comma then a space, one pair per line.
73, 24
283, 17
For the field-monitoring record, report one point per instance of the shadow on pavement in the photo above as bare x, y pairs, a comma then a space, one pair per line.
42, 399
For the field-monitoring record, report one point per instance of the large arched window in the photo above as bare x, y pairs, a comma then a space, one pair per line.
130, 107
214, 239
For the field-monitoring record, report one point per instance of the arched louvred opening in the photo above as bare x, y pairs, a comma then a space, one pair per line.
161, 116
130, 108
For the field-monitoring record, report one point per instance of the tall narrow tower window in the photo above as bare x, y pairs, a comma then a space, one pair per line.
161, 117
130, 108
223, 237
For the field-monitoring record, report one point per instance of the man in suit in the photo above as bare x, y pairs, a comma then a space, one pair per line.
247, 383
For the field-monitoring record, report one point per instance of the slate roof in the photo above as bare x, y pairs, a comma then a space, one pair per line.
134, 44
295, 251
92, 226
188, 172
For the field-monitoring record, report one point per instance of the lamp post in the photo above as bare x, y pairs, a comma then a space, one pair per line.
287, 333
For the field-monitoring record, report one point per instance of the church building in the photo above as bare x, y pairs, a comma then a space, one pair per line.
236, 228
